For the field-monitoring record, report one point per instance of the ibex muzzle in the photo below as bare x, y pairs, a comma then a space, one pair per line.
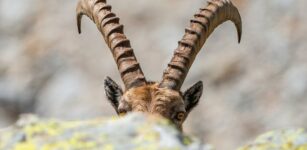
162, 98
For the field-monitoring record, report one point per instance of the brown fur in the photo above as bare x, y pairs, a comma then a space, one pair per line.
153, 100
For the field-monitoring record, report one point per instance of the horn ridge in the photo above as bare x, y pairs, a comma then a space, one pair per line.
203, 23
113, 32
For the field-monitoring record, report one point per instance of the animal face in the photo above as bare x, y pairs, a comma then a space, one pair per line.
151, 99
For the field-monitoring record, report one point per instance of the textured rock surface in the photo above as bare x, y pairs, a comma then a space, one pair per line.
255, 86
280, 140
132, 132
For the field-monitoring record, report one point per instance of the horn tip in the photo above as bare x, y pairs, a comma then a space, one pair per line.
80, 13
239, 30
240, 34
79, 16
239, 39
79, 30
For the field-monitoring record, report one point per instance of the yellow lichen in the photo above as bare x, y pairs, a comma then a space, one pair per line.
280, 140
79, 135
25, 146
108, 147
146, 134
187, 140
147, 147
79, 141
302, 147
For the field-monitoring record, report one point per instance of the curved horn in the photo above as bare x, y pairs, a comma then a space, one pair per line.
201, 26
108, 24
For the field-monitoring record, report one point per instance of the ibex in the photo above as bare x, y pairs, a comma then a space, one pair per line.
162, 98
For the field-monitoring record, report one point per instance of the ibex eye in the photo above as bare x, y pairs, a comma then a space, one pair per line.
122, 112
180, 116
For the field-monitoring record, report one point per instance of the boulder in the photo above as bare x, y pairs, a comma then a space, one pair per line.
133, 132
294, 139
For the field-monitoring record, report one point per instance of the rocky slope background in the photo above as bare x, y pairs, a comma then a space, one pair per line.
48, 69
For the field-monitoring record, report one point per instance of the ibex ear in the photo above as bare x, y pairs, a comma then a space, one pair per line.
192, 96
113, 92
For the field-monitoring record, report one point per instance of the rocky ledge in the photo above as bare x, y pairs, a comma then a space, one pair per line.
294, 139
132, 132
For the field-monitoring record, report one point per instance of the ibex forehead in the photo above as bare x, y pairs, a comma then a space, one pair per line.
151, 98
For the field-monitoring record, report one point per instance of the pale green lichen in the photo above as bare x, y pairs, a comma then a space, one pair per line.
280, 140
133, 132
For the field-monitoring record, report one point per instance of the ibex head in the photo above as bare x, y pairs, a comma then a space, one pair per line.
162, 98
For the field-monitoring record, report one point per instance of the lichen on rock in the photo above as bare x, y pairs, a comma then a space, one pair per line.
135, 131
294, 139
132, 132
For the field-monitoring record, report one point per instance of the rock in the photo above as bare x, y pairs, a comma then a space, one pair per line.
295, 139
134, 131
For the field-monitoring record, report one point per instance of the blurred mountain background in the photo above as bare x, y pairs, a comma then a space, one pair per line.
48, 69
